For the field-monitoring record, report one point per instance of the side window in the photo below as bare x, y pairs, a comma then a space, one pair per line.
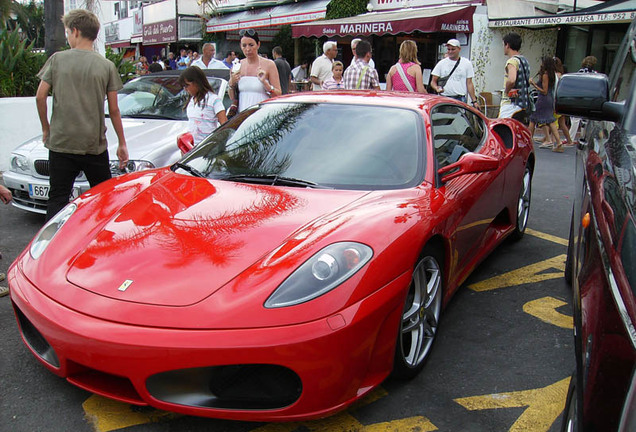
456, 131
622, 82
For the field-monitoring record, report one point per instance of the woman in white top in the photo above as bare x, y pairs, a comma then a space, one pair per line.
205, 108
257, 78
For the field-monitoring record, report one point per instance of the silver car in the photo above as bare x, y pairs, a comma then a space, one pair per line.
153, 115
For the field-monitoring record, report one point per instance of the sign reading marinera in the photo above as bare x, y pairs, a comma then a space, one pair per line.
429, 20
160, 32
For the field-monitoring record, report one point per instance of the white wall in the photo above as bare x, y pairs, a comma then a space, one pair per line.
487, 50
18, 122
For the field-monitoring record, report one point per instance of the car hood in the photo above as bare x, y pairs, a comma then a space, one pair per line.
182, 238
144, 138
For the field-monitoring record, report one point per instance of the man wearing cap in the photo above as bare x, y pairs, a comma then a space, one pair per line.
458, 74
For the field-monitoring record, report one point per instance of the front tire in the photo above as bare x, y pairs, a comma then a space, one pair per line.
420, 316
523, 205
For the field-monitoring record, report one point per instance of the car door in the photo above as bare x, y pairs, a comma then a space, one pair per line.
604, 252
456, 131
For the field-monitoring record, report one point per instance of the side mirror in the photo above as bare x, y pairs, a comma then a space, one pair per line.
470, 163
587, 95
185, 142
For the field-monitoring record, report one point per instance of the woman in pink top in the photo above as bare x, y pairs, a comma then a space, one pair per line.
412, 71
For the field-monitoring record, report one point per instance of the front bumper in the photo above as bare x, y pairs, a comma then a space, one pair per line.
22, 187
328, 363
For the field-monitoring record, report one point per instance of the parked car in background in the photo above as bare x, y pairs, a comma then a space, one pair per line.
601, 259
153, 115
286, 265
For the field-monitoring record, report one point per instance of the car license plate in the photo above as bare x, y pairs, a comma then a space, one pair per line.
42, 192
39, 191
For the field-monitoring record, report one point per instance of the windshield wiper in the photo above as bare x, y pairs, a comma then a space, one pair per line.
189, 169
271, 179
149, 116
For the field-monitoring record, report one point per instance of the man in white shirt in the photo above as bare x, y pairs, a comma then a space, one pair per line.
207, 60
354, 43
321, 67
460, 83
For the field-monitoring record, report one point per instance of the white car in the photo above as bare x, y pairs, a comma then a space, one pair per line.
153, 116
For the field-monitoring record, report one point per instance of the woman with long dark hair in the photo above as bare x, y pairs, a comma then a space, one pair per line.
204, 108
257, 78
544, 108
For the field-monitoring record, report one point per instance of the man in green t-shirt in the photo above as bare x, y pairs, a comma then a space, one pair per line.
81, 79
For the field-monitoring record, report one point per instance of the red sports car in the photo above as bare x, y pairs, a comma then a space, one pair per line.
285, 266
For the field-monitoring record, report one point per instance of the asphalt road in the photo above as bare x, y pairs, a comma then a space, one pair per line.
501, 362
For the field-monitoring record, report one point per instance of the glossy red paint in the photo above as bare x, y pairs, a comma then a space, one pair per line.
185, 142
204, 255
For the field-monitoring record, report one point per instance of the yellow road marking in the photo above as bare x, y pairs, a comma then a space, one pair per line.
108, 415
544, 405
548, 237
546, 310
529, 274
345, 422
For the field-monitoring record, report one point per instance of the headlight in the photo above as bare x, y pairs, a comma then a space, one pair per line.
48, 231
131, 166
19, 162
320, 274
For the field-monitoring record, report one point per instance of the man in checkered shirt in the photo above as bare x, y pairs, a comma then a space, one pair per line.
360, 75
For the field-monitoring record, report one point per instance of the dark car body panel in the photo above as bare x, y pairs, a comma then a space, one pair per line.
602, 249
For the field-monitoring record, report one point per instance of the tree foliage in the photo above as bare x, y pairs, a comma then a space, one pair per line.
19, 65
345, 8
125, 67
284, 40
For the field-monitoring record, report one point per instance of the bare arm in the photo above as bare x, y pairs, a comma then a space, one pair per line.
471, 91
5, 195
434, 84
511, 70
315, 80
544, 84
271, 78
419, 80
221, 116
40, 101
115, 118
389, 79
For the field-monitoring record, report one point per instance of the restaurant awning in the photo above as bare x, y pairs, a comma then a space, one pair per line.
613, 11
452, 19
267, 17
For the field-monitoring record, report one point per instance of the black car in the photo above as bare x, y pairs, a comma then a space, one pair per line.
601, 260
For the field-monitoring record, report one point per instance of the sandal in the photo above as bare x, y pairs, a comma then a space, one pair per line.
546, 145
558, 149
4, 291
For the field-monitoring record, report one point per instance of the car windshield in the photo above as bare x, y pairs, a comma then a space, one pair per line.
330, 145
159, 97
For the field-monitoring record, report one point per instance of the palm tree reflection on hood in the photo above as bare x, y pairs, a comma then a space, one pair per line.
175, 215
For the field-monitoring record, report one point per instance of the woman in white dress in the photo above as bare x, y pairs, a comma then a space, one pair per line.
205, 108
257, 78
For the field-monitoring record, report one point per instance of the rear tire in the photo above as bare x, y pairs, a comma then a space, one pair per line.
523, 205
420, 316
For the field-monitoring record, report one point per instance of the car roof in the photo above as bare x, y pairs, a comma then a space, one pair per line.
218, 73
416, 101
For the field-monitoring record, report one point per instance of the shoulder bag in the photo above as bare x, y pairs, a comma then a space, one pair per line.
441, 81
